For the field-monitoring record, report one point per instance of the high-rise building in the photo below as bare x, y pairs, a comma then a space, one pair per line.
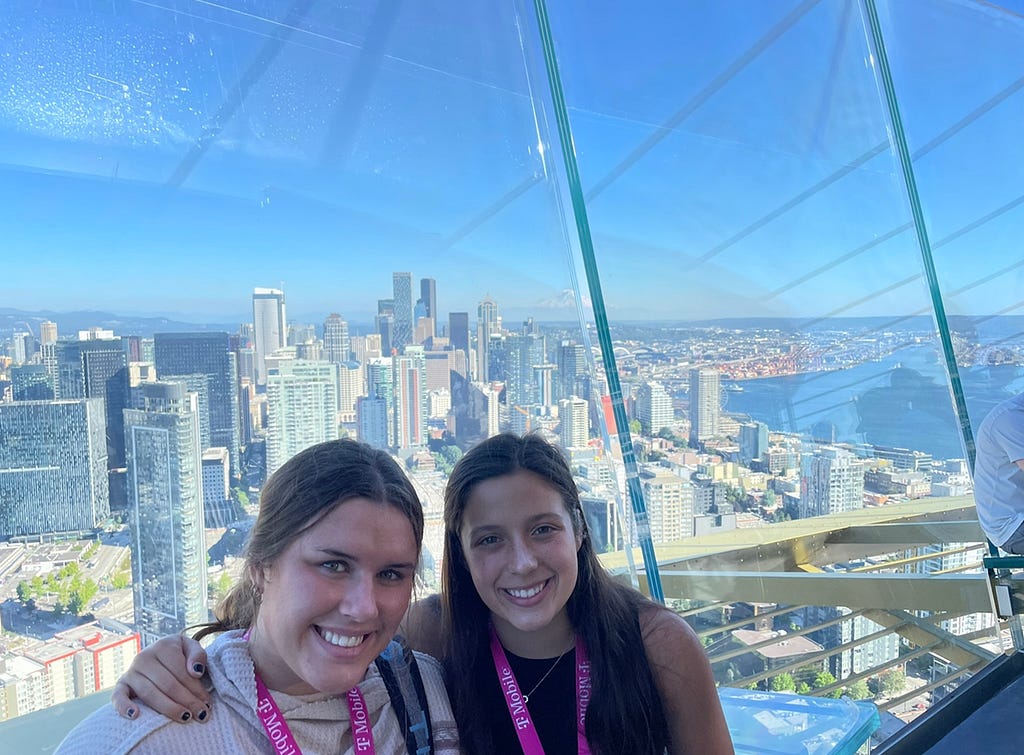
336, 341
270, 327
206, 364
300, 333
669, 506
47, 332
410, 399
32, 382
831, 482
217, 510
458, 332
402, 289
165, 501
97, 368
705, 404
488, 323
571, 360
350, 386
428, 295
384, 324
23, 347
372, 421
573, 412
53, 466
753, 441
522, 354
302, 407
654, 407
544, 384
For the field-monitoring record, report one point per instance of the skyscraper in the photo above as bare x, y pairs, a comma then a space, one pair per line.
53, 466
180, 356
32, 382
704, 404
831, 481
402, 288
428, 295
575, 418
97, 368
753, 441
217, 510
384, 323
372, 421
522, 354
165, 501
270, 327
458, 332
302, 407
410, 401
487, 324
654, 407
336, 341
47, 332
571, 360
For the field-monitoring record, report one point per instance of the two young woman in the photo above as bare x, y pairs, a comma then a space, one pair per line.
542, 650
304, 660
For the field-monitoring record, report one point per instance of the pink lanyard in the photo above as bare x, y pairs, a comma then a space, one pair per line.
281, 736
517, 709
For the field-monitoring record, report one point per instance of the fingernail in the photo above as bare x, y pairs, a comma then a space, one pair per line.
130, 713
186, 716
199, 668
202, 715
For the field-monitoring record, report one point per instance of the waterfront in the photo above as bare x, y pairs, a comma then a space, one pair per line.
900, 401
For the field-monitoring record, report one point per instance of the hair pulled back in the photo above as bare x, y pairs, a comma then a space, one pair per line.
306, 488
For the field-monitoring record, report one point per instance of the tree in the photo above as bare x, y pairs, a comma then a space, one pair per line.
892, 682
802, 688
858, 690
783, 683
823, 679
24, 592
634, 426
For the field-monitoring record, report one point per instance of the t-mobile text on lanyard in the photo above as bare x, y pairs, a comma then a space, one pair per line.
281, 736
525, 729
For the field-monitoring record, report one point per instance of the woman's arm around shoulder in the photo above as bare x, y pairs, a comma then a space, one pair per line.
681, 670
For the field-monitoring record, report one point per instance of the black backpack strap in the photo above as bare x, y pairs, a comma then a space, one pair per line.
401, 675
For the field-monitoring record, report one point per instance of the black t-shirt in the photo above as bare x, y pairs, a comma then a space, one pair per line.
552, 705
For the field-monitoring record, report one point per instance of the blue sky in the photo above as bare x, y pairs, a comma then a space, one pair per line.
167, 157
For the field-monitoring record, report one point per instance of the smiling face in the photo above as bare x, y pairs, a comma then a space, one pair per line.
333, 599
520, 548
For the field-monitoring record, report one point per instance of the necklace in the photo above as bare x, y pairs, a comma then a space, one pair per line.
526, 697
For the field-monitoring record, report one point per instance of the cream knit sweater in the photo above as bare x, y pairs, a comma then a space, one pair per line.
319, 723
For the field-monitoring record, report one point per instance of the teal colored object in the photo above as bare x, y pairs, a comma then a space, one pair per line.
782, 723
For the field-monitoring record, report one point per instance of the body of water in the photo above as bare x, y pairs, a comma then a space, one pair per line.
901, 401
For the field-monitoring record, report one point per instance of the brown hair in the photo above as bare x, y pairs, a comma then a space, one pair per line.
307, 487
625, 713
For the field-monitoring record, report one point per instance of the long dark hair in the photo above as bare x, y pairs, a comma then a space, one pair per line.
625, 713
306, 488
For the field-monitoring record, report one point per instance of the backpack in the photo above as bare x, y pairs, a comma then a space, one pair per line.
401, 675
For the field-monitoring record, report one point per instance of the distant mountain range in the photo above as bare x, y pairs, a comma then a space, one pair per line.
12, 320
